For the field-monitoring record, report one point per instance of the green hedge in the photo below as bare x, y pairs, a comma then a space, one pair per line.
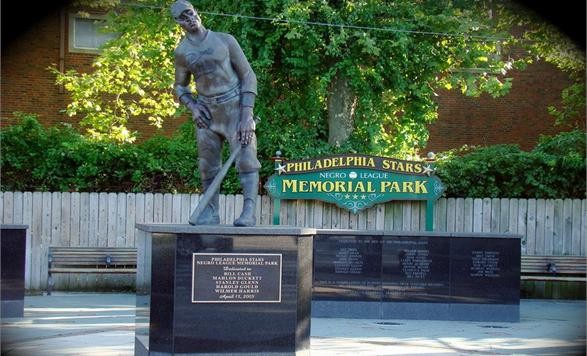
60, 159
555, 168
35, 158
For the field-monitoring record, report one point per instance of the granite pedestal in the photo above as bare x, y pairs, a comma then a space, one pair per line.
13, 243
223, 290
410, 275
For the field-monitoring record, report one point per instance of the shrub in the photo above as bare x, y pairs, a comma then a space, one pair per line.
555, 168
60, 159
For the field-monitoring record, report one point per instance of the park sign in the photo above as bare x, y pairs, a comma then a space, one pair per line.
355, 182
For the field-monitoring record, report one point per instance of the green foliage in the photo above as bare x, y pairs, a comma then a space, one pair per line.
573, 106
60, 159
392, 69
132, 77
24, 146
392, 73
542, 40
395, 55
555, 168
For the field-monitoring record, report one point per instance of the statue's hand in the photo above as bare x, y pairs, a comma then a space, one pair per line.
199, 115
246, 127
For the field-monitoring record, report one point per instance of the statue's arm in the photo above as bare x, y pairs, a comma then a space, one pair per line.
248, 87
182, 82
182, 90
246, 75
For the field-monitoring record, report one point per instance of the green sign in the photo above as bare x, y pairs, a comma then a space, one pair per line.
354, 182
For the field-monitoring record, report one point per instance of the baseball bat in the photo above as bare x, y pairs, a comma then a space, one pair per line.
215, 185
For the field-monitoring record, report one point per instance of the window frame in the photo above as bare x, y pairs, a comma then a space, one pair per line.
72, 48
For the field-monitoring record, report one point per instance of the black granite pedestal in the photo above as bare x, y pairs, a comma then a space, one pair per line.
410, 275
223, 290
13, 243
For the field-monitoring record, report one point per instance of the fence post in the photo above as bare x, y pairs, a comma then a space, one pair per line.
429, 215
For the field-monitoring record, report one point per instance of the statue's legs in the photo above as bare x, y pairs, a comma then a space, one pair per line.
225, 118
248, 167
250, 185
209, 149
210, 214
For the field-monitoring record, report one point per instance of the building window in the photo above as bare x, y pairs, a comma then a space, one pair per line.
85, 34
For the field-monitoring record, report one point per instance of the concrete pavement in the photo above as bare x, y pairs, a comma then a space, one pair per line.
103, 324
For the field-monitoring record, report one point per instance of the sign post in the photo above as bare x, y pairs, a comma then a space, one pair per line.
276, 201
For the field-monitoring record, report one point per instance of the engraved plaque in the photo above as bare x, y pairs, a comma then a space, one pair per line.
485, 270
236, 278
416, 269
348, 261
347, 268
485, 264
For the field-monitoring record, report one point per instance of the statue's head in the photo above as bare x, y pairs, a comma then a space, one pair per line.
185, 15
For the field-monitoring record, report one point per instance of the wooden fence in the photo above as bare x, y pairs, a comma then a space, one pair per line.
557, 227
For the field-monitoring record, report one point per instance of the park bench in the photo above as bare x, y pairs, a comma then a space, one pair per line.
90, 260
553, 268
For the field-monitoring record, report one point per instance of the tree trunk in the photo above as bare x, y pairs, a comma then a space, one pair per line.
341, 110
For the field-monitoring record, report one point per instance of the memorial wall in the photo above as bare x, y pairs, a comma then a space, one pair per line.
416, 275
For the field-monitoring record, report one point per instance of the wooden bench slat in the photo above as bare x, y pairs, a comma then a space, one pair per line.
100, 259
577, 262
90, 258
568, 268
93, 270
93, 249
120, 260
568, 264
562, 263
78, 252
553, 278
559, 268
581, 261
97, 263
91, 254
57, 255
559, 265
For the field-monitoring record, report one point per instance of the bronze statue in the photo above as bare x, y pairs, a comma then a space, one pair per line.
223, 108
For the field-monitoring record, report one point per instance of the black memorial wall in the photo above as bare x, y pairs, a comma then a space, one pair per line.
389, 274
12, 269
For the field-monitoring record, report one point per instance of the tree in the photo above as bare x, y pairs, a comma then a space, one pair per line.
132, 77
543, 40
334, 75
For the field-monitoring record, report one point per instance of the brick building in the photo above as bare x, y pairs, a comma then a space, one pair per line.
520, 117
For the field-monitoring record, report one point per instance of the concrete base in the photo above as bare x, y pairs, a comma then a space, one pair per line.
141, 349
546, 327
220, 290
416, 311
342, 309
12, 309
141, 346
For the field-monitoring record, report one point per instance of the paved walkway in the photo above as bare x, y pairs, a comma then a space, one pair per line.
103, 324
